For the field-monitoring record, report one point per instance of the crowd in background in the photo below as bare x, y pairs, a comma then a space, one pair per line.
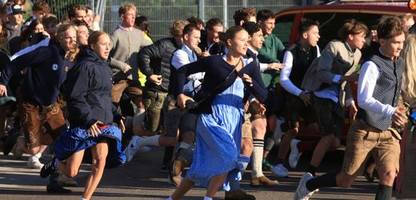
216, 99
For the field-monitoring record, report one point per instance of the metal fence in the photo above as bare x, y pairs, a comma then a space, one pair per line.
161, 13
60, 8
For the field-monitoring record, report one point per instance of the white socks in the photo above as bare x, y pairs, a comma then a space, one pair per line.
38, 155
257, 160
184, 145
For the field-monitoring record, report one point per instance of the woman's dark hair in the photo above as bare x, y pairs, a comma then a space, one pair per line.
352, 27
28, 35
3, 33
74, 8
243, 14
95, 36
79, 23
195, 20
230, 33
251, 27
263, 15
41, 6
389, 27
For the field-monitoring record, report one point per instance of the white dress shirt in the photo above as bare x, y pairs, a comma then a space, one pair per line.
285, 81
184, 56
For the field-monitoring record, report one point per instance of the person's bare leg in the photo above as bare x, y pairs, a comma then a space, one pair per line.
246, 146
182, 189
215, 184
166, 141
35, 150
326, 143
99, 155
284, 146
70, 167
259, 128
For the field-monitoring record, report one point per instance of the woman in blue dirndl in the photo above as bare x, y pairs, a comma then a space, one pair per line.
218, 129
88, 94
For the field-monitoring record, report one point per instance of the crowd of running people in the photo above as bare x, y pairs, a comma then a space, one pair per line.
217, 99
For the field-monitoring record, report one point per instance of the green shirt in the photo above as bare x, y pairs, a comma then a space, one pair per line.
271, 51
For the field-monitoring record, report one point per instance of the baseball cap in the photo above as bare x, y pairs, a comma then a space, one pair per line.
15, 9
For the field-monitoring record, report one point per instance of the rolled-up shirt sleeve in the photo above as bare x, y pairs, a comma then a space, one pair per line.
369, 74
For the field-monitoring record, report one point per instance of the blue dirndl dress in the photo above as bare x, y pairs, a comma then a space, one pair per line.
77, 139
218, 137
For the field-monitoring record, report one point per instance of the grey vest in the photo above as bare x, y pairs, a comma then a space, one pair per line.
386, 91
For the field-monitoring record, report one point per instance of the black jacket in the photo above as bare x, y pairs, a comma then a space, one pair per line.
45, 72
216, 48
155, 59
87, 91
215, 80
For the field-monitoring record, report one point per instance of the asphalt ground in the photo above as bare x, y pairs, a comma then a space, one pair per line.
143, 179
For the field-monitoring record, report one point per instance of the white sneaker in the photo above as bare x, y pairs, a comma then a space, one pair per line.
294, 153
34, 163
302, 193
280, 171
132, 147
278, 133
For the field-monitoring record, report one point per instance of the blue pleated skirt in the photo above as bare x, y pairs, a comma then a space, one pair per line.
77, 139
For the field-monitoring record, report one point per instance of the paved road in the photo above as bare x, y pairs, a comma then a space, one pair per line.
142, 179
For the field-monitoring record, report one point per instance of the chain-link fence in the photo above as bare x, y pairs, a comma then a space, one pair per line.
60, 8
161, 13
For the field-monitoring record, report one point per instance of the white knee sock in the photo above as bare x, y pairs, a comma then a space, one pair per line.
257, 160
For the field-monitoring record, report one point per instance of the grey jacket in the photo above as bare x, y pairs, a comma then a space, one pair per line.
126, 46
336, 59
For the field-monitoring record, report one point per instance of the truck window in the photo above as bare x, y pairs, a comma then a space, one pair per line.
330, 23
283, 28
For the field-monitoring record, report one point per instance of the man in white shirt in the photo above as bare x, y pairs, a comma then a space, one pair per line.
297, 60
254, 127
187, 121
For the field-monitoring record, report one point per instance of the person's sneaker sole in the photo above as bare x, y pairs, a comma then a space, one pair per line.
47, 169
56, 189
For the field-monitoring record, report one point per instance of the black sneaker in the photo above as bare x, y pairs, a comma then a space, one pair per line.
56, 188
48, 168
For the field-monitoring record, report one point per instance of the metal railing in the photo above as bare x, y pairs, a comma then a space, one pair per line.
60, 7
161, 13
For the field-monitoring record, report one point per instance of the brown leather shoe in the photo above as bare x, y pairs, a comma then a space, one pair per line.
263, 181
238, 195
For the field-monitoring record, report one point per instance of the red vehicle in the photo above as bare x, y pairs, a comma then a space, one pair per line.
331, 16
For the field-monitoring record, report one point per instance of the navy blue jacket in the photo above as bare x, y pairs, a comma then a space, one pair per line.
216, 70
45, 72
87, 91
